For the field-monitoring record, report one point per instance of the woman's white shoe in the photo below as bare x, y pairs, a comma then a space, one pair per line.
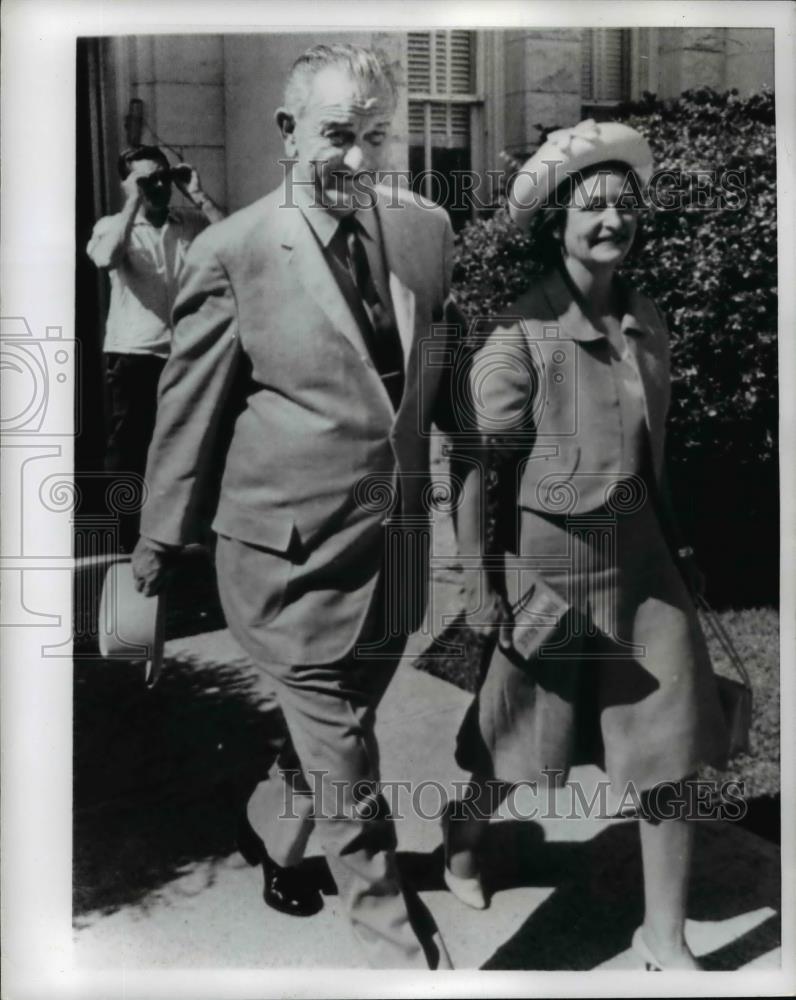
640, 947
469, 891
652, 963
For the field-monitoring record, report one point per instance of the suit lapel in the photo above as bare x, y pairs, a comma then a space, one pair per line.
306, 257
401, 257
403, 303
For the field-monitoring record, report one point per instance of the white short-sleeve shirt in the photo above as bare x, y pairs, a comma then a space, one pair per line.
144, 283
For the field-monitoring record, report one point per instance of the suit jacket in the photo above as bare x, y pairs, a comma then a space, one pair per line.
543, 389
269, 367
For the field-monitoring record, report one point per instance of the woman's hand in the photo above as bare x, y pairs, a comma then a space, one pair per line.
486, 610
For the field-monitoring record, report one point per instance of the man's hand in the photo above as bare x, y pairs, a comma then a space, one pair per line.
151, 565
132, 191
192, 186
488, 611
139, 170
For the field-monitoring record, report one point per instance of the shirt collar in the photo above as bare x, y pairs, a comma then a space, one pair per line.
564, 305
323, 223
173, 215
369, 222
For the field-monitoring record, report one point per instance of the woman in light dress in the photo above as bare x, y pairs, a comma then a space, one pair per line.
571, 390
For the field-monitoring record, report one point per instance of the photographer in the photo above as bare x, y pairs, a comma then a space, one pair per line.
143, 248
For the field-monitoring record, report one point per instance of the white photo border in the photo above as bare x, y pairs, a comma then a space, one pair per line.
38, 266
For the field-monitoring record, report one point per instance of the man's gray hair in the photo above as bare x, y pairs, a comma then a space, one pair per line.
360, 63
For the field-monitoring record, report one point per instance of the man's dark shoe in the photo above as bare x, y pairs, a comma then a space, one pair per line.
285, 889
288, 891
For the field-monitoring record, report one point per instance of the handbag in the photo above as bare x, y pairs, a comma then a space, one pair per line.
735, 695
537, 617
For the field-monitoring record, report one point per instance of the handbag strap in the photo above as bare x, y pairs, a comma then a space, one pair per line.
724, 640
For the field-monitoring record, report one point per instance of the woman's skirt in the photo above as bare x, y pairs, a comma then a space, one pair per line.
623, 681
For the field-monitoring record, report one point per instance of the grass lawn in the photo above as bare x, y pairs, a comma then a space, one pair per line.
755, 634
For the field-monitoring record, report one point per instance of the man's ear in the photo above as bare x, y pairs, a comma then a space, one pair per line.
286, 124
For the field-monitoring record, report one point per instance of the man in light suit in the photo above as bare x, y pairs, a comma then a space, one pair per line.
299, 325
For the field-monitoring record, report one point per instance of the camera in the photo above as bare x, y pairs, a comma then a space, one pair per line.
181, 175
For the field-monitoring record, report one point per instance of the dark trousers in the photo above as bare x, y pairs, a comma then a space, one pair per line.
132, 382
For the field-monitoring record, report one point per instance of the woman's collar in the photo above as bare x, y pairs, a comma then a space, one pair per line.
575, 323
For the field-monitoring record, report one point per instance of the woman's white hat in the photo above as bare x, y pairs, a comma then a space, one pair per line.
570, 150
131, 626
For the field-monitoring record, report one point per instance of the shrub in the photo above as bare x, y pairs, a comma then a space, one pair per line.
714, 274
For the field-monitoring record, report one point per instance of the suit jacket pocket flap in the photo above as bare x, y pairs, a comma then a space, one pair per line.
255, 527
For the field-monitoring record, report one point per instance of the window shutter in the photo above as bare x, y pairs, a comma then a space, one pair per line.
417, 119
586, 67
441, 63
609, 64
461, 62
442, 84
450, 123
459, 124
604, 64
419, 62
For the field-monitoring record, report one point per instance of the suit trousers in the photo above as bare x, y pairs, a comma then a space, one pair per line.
330, 759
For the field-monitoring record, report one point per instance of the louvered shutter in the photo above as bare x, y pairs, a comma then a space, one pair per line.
460, 62
419, 62
586, 66
604, 64
441, 68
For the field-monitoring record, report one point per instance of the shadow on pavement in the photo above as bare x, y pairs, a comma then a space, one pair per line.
598, 903
151, 770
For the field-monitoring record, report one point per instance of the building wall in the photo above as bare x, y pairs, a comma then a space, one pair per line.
722, 58
541, 84
749, 54
180, 79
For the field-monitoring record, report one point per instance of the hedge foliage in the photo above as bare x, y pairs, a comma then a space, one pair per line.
713, 273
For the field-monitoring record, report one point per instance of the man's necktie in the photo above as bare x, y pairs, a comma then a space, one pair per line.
380, 331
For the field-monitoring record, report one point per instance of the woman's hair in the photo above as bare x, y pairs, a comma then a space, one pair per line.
547, 225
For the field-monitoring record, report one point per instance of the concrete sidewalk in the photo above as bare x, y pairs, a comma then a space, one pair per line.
567, 892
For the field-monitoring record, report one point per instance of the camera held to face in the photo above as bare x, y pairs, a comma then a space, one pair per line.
179, 175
